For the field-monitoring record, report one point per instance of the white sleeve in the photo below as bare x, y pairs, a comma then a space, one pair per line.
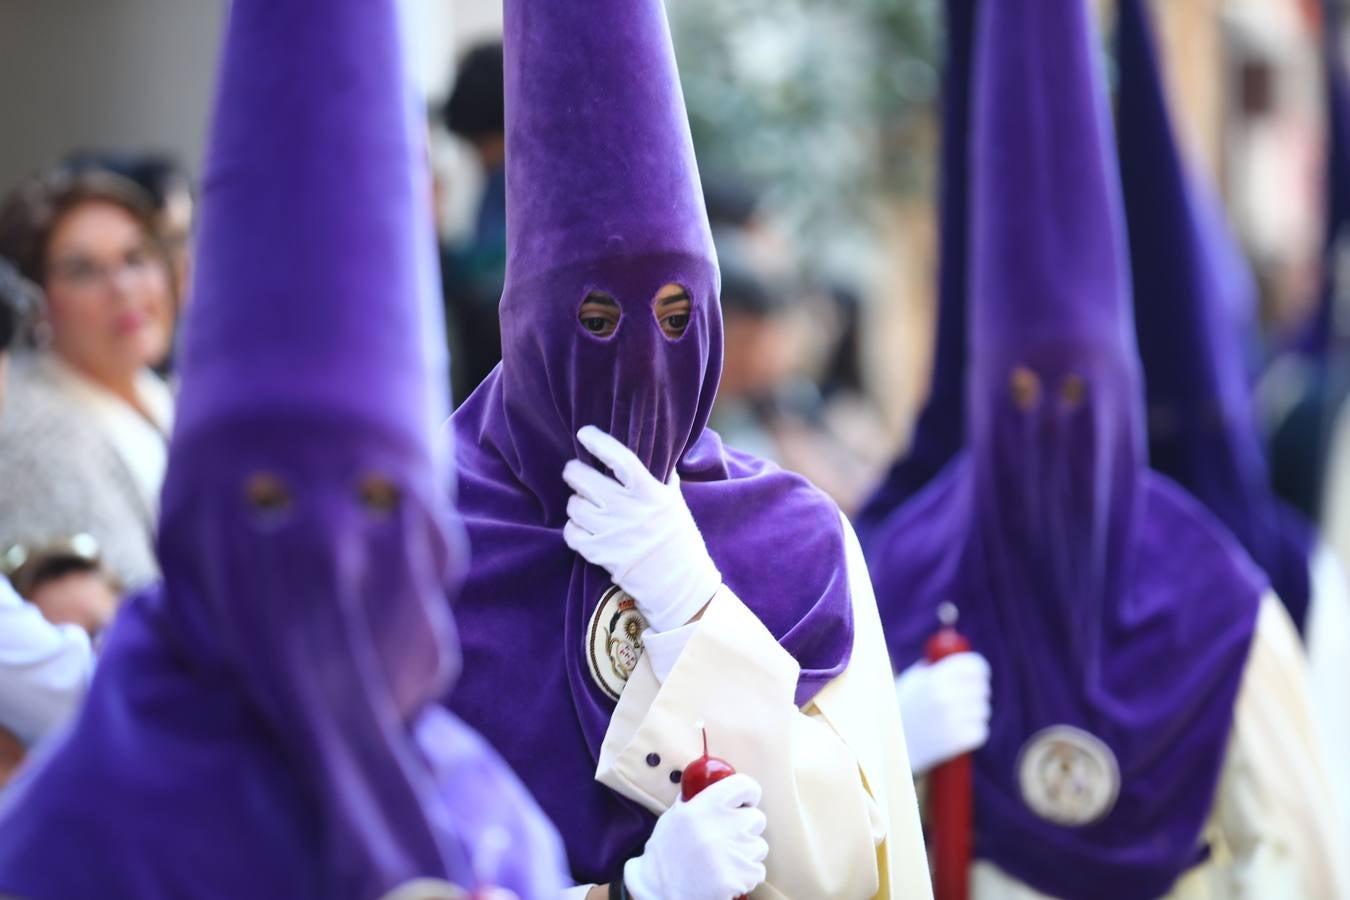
837, 789
1336, 491
1327, 638
44, 668
1272, 810
664, 647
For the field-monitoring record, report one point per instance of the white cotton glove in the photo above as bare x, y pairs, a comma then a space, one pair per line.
945, 708
640, 531
710, 848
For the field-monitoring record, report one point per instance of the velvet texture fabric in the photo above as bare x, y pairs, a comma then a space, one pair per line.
939, 432
265, 725
1103, 596
1190, 282
603, 196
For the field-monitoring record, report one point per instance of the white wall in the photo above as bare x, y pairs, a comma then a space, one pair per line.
116, 73
138, 74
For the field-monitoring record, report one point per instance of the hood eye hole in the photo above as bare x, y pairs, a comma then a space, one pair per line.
1024, 387
1072, 391
267, 493
674, 310
600, 314
378, 495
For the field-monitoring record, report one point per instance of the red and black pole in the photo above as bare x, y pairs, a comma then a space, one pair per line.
949, 789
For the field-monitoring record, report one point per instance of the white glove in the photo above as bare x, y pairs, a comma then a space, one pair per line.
944, 707
640, 531
710, 848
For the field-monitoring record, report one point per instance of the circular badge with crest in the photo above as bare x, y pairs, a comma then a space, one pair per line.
614, 641
1068, 776
435, 889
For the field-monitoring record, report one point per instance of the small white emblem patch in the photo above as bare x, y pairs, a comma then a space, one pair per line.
1068, 776
614, 641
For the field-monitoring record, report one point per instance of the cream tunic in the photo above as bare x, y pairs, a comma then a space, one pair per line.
1272, 833
842, 815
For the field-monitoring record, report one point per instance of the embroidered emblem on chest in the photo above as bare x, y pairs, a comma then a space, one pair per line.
614, 641
1068, 776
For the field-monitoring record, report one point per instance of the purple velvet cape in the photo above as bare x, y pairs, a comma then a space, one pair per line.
1104, 597
603, 195
264, 725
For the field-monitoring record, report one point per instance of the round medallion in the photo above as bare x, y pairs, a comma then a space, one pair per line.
427, 889
435, 889
614, 641
1068, 776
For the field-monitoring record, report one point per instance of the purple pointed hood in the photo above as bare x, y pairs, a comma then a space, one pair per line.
1189, 282
940, 429
278, 693
306, 454
1114, 611
603, 196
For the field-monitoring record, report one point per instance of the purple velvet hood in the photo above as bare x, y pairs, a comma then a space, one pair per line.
603, 195
1115, 612
1190, 282
263, 725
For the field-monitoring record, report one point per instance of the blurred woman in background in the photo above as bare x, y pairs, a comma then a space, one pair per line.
44, 668
83, 442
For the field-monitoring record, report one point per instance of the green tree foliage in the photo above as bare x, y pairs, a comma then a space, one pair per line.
824, 105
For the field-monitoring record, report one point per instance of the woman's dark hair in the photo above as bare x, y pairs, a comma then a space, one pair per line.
158, 174
31, 212
18, 302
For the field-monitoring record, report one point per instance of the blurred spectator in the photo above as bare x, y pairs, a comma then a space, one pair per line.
474, 271
44, 668
757, 356
83, 442
169, 188
791, 389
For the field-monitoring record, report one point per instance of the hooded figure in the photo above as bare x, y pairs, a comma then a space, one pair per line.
939, 432
1189, 281
1117, 616
263, 725
610, 319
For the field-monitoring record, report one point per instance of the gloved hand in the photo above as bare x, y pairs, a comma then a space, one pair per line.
640, 531
709, 848
944, 707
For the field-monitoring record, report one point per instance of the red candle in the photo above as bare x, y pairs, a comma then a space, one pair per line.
702, 772
949, 789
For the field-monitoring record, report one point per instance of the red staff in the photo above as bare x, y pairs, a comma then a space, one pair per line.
949, 788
